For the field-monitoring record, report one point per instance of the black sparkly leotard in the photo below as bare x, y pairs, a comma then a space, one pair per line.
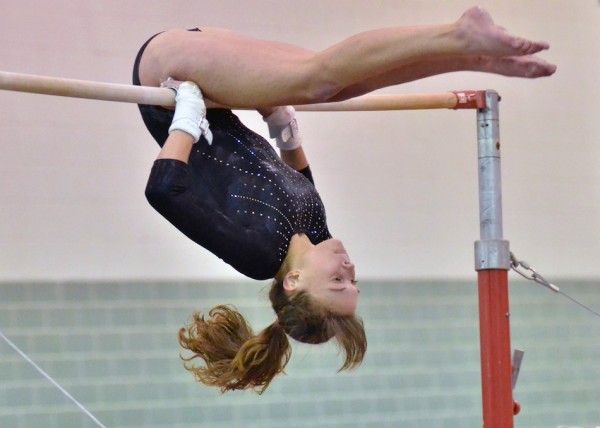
236, 197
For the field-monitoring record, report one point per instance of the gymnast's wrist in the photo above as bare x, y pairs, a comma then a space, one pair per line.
283, 126
190, 111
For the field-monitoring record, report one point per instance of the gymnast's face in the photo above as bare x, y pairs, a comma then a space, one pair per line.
327, 274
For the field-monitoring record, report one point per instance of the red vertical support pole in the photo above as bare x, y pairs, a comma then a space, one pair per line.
492, 261
496, 368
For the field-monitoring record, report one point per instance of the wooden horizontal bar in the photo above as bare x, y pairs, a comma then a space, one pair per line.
86, 89
375, 102
165, 97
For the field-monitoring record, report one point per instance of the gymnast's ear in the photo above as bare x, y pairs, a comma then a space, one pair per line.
290, 281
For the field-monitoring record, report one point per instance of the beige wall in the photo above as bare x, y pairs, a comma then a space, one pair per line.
400, 187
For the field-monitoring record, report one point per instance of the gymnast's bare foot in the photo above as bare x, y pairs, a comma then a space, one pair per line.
480, 36
528, 66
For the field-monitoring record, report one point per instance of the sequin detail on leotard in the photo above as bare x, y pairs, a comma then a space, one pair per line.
271, 190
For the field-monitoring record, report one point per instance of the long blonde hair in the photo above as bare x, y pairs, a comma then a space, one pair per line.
236, 359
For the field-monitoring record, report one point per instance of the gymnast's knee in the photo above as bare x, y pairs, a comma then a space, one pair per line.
318, 85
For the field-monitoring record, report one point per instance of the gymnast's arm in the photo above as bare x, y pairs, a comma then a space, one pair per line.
295, 158
178, 146
284, 128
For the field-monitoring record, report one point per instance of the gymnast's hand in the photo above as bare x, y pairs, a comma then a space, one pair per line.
190, 110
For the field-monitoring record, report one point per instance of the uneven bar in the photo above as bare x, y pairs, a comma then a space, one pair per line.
165, 97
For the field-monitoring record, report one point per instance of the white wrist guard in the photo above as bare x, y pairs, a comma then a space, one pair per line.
284, 128
190, 112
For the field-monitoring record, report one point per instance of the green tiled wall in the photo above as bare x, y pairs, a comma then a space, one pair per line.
113, 347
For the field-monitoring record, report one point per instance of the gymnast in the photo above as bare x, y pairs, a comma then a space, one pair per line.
225, 187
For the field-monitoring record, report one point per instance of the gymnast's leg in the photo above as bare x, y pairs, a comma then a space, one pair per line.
245, 72
514, 66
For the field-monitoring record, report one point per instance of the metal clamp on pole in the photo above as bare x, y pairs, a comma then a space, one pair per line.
492, 254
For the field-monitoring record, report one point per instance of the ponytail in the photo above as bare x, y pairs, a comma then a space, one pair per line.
235, 358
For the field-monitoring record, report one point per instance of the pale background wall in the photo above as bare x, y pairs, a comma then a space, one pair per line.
73, 171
